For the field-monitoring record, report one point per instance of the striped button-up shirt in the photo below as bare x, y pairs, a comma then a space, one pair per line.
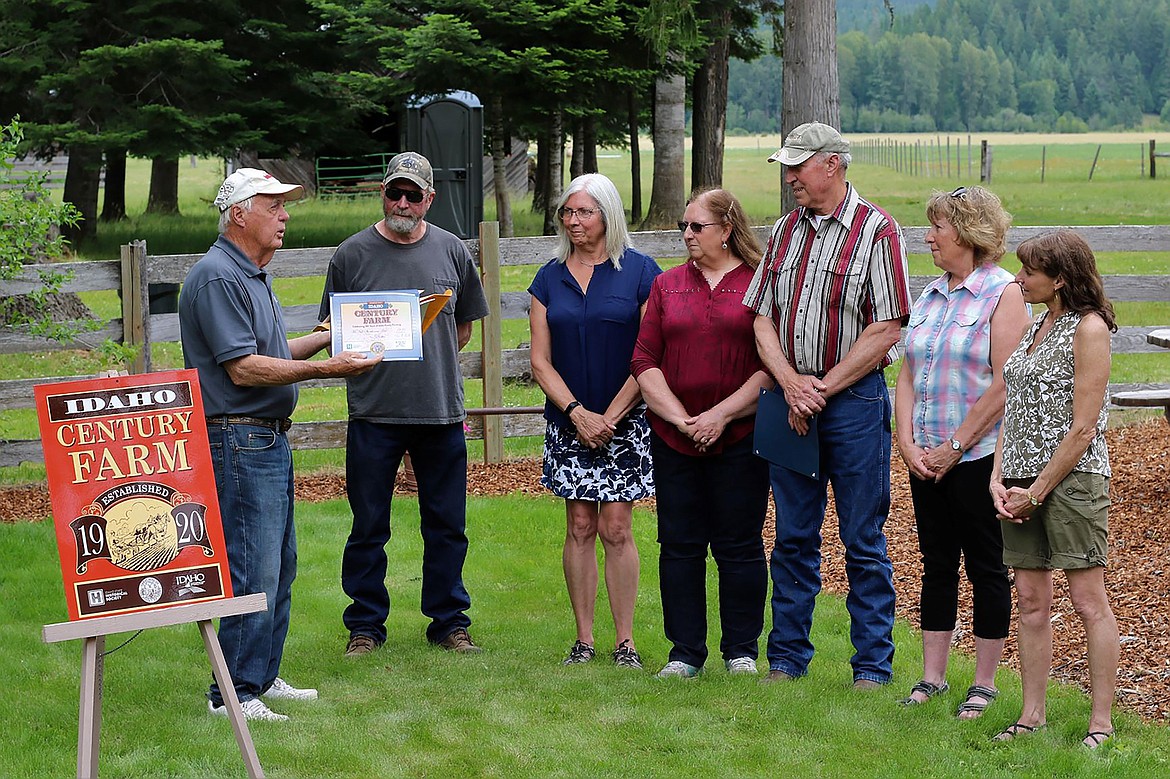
823, 284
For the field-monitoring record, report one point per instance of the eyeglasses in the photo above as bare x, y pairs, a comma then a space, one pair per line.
696, 227
959, 193
582, 214
394, 194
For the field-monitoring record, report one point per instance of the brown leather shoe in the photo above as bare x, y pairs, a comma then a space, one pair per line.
459, 641
776, 676
360, 644
866, 684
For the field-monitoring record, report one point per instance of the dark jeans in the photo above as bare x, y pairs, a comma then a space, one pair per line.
854, 436
254, 481
439, 456
717, 501
956, 516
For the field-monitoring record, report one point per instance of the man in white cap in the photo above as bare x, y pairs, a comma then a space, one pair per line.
408, 407
233, 333
831, 295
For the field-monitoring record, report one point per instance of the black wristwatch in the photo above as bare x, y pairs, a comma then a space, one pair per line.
569, 408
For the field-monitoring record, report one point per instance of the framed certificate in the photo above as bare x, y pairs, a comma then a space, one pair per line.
387, 323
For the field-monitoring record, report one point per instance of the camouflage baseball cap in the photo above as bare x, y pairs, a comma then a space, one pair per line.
413, 167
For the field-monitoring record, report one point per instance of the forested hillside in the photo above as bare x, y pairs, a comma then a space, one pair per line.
1012, 65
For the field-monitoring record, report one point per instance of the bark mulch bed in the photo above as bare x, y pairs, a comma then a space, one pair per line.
1138, 576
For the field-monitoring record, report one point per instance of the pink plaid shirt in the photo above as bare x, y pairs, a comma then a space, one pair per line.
948, 353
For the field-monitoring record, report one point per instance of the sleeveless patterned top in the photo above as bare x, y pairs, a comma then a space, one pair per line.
1039, 409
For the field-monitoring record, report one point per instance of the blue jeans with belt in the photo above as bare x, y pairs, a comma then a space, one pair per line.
439, 456
854, 436
254, 482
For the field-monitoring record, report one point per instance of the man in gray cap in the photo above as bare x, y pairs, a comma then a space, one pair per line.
831, 295
408, 407
233, 333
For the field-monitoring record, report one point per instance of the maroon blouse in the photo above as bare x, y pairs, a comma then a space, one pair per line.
703, 342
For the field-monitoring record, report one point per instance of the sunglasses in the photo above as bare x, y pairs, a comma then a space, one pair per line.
696, 227
959, 193
394, 194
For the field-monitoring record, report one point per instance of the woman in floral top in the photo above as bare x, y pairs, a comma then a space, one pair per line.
1050, 478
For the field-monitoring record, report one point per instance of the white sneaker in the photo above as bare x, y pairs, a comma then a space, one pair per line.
283, 691
254, 709
678, 668
741, 665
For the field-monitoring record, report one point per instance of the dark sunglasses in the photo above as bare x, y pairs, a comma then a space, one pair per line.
959, 193
696, 227
395, 194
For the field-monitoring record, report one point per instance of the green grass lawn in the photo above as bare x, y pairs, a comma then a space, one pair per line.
413, 710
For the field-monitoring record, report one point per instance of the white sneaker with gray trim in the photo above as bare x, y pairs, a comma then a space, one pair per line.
679, 669
283, 691
741, 665
254, 710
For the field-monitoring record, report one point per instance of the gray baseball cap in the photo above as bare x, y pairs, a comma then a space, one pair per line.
413, 167
808, 139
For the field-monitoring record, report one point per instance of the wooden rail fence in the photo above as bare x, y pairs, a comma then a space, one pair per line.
136, 270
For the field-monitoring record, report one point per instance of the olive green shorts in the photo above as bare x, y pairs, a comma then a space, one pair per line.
1070, 529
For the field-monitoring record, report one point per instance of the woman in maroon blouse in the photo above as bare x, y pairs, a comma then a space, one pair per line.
700, 374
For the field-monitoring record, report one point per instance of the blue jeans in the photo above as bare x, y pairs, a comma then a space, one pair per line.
254, 481
439, 456
854, 431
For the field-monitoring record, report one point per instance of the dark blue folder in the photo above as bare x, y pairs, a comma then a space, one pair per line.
778, 443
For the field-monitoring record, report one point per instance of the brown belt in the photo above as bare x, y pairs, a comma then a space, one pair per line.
279, 425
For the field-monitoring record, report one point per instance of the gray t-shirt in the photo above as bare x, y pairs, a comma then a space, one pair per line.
430, 391
228, 310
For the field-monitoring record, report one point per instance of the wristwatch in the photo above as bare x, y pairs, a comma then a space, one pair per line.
956, 446
1032, 499
569, 408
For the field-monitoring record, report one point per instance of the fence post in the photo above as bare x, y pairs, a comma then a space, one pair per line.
492, 342
984, 163
136, 306
1153, 174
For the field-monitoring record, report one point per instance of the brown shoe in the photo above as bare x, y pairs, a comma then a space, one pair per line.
866, 684
459, 641
776, 676
361, 644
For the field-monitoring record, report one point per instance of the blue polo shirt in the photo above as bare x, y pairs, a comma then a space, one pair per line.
227, 309
592, 335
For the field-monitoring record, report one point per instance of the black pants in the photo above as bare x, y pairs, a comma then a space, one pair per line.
956, 515
717, 501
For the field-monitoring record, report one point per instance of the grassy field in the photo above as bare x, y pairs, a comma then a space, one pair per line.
514, 711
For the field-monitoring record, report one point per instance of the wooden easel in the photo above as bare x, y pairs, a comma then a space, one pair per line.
94, 632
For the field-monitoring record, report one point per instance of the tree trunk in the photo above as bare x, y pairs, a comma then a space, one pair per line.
667, 199
589, 144
556, 169
811, 86
164, 186
82, 180
500, 165
540, 189
635, 159
577, 160
114, 199
709, 115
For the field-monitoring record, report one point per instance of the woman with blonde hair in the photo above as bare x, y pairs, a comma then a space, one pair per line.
948, 405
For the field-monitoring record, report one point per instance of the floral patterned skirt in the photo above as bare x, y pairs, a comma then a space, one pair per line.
620, 471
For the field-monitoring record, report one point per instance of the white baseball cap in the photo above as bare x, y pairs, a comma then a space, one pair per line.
246, 182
